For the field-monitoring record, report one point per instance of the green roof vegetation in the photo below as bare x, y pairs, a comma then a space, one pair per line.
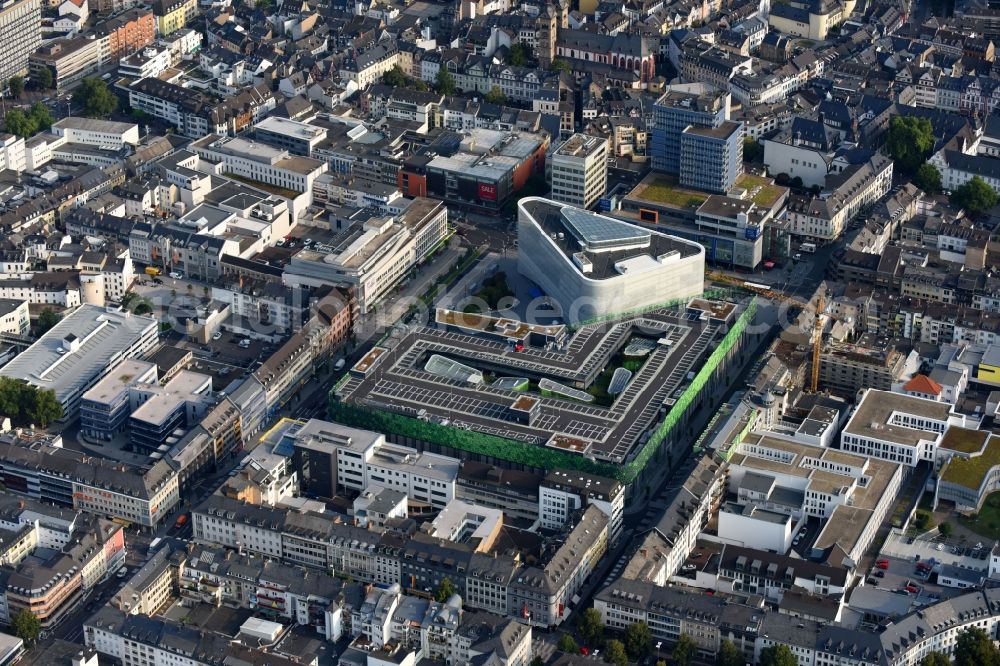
272, 189
767, 194
538, 457
964, 440
666, 191
970, 472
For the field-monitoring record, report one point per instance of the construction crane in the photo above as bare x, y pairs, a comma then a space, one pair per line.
767, 292
817, 344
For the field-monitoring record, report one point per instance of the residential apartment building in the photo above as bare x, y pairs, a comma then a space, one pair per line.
823, 218
123, 34
674, 611
580, 170
172, 15
67, 555
542, 594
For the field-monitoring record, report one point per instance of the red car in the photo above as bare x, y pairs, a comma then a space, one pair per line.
585, 650
911, 588
882, 564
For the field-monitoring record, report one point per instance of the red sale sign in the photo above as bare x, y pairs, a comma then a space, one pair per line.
487, 191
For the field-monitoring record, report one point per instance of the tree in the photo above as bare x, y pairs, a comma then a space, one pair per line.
445, 81
395, 77
420, 85
615, 653
729, 655
559, 66
16, 86
537, 661
496, 96
590, 626
637, 640
26, 626
446, 590
935, 659
42, 78
95, 97
975, 196
40, 117
45, 408
143, 308
945, 529
520, 54
16, 122
752, 150
928, 178
46, 320
777, 655
974, 648
921, 519
567, 644
685, 650
910, 141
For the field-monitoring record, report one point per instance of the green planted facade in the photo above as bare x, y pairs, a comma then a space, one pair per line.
532, 455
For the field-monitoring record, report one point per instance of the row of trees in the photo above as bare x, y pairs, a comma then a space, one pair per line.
910, 142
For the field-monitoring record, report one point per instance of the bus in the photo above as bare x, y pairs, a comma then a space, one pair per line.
808, 247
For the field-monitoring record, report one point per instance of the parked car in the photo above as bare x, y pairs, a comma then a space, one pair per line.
217, 336
882, 564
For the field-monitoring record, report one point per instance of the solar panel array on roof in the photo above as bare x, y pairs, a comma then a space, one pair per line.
596, 232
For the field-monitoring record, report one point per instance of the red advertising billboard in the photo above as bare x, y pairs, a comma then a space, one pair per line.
487, 191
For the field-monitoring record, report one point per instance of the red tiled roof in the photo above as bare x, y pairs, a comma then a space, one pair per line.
922, 384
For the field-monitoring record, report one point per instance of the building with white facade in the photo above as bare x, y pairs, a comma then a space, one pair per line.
363, 459
95, 132
900, 428
376, 255
564, 492
593, 265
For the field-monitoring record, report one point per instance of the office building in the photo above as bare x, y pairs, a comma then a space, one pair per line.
374, 256
712, 157
168, 411
83, 347
564, 492
593, 265
900, 428
94, 132
20, 36
580, 170
261, 163
329, 456
680, 107
295, 137
105, 408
